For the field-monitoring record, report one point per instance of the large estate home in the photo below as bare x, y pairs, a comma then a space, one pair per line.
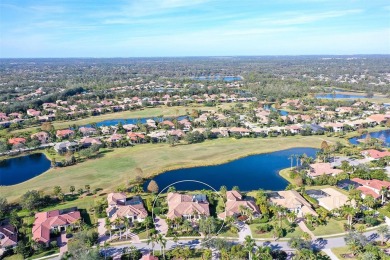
372, 187
191, 207
120, 206
375, 154
236, 206
8, 236
48, 222
293, 201
318, 169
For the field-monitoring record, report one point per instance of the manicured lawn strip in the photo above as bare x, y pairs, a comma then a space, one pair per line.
384, 211
332, 227
14, 257
227, 233
285, 173
117, 166
46, 253
338, 251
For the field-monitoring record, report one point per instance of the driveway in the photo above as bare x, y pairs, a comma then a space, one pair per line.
62, 242
161, 225
102, 230
244, 230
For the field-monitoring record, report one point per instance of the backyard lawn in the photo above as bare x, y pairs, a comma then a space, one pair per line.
117, 166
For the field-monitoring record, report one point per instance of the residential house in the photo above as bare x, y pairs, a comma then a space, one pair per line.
240, 131
115, 138
149, 257
371, 187
42, 137
64, 147
65, 133
190, 207
235, 204
17, 140
86, 142
86, 131
333, 199
318, 169
33, 112
375, 154
293, 201
120, 206
46, 223
136, 137
8, 236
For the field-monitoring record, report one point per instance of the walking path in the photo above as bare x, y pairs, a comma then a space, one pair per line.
303, 226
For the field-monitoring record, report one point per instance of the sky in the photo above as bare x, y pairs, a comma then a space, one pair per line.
163, 28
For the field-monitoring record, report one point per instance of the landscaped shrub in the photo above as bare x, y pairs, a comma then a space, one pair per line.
370, 221
263, 228
264, 219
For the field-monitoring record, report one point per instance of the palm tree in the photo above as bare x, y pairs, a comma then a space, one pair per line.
349, 212
306, 236
108, 226
175, 239
291, 158
383, 193
369, 201
186, 225
147, 222
249, 245
118, 223
125, 221
383, 231
163, 242
207, 254
152, 240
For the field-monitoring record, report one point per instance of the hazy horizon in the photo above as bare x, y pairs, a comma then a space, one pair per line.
182, 28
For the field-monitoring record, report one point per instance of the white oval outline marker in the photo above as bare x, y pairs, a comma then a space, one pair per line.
154, 202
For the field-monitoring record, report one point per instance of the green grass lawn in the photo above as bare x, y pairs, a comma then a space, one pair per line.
332, 227
227, 233
338, 251
14, 257
46, 253
116, 167
384, 211
297, 230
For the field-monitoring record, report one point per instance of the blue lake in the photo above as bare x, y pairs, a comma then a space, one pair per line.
384, 135
134, 121
280, 111
338, 95
249, 173
216, 78
23, 168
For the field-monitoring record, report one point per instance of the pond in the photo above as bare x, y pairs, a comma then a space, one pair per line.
217, 77
134, 121
23, 168
384, 135
248, 173
339, 95
280, 111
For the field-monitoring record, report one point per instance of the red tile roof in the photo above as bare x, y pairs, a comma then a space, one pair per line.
44, 221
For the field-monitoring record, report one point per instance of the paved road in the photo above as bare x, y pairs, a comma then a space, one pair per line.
319, 244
